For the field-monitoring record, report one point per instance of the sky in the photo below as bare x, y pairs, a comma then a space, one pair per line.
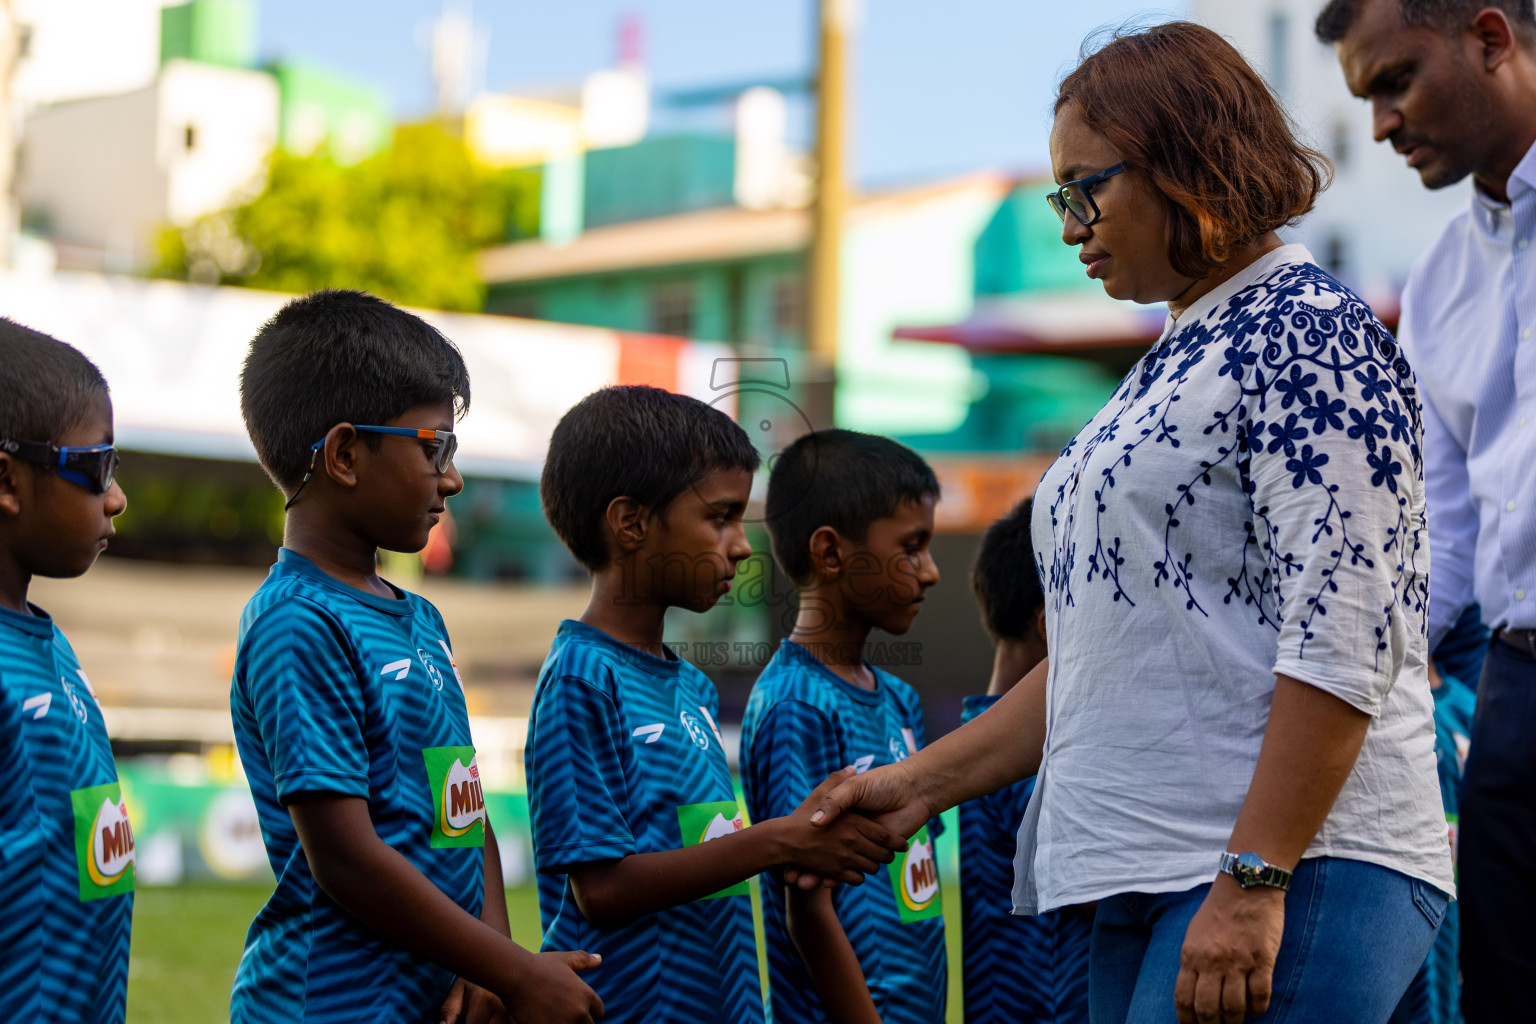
939, 87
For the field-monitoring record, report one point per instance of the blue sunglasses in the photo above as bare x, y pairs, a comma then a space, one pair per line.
91, 467
442, 458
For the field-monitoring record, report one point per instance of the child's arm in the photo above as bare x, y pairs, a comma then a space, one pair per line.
829, 957
378, 886
612, 892
479, 1005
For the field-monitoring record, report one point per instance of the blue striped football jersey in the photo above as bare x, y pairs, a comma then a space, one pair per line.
803, 723
66, 849
624, 757
343, 692
1455, 704
1017, 969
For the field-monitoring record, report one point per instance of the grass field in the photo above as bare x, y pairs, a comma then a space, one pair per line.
187, 942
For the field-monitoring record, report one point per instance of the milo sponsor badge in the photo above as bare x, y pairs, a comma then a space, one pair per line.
702, 822
915, 879
458, 802
103, 841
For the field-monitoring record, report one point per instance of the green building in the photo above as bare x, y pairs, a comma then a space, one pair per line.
211, 32
664, 251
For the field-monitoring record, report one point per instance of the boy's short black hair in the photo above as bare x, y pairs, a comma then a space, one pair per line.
46, 386
842, 479
334, 357
632, 441
1005, 579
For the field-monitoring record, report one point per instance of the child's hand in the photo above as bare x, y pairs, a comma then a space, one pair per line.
844, 850
468, 1003
549, 992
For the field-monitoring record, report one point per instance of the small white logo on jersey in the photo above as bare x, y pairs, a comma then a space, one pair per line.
40, 702
400, 668
695, 730
863, 764
433, 674
650, 733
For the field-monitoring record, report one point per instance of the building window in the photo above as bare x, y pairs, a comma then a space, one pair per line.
189, 137
789, 306
672, 308
1279, 50
525, 305
1340, 144
1336, 255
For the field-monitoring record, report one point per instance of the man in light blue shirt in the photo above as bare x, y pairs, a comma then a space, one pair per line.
1452, 85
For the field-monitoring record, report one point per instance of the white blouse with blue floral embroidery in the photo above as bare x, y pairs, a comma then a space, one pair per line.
1250, 502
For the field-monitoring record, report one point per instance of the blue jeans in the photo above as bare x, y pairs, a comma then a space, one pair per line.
1355, 933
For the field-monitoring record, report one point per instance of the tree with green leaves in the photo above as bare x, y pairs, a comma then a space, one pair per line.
404, 224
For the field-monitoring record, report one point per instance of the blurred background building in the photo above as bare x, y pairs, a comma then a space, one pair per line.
174, 185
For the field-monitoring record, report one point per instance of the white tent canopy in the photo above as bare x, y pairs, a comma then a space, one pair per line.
171, 353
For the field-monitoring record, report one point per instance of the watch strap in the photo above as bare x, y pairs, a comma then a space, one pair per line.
1249, 870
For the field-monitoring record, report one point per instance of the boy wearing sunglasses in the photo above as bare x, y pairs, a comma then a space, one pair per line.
349, 712
67, 850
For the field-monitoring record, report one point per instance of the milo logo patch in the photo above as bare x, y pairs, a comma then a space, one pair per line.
103, 841
915, 880
701, 823
458, 800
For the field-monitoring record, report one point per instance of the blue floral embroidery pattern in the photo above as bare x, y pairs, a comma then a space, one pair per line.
1286, 400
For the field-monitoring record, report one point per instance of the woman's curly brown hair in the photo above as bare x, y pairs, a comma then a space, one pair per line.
1181, 106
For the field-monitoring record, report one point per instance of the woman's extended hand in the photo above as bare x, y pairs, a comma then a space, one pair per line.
1227, 965
888, 794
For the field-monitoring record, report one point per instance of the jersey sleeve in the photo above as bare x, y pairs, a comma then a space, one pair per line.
302, 687
22, 850
578, 795
793, 751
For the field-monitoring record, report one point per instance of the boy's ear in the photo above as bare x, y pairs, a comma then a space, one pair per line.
10, 500
628, 521
339, 456
1040, 621
826, 552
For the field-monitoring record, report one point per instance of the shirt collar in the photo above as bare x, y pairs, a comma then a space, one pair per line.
290, 561
37, 624
1523, 180
669, 667
1255, 271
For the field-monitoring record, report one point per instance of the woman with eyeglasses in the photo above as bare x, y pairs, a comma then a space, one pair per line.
1234, 729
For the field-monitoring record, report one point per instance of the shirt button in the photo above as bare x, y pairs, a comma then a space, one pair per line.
1526, 334
1509, 506
1519, 595
1522, 421
1524, 243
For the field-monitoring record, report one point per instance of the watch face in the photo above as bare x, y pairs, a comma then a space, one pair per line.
1248, 868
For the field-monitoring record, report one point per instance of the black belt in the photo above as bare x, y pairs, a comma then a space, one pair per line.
1520, 639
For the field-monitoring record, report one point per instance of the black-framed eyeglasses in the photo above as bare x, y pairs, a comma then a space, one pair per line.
442, 456
1076, 196
91, 467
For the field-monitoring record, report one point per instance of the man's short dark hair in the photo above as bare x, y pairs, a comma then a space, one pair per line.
1005, 579
1336, 17
632, 441
842, 479
46, 386
340, 357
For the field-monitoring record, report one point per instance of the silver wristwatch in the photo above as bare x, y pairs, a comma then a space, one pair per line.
1249, 870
